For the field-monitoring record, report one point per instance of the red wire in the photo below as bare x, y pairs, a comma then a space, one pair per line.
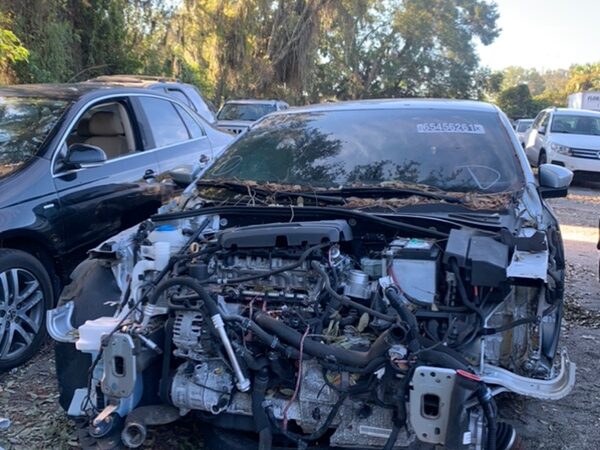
298, 380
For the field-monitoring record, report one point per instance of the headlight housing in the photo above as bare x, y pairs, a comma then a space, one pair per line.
561, 149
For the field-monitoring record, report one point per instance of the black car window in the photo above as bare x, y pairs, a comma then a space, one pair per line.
453, 150
194, 129
545, 120
244, 111
25, 123
576, 124
107, 125
166, 125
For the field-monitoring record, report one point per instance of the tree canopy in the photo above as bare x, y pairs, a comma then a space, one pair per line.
302, 50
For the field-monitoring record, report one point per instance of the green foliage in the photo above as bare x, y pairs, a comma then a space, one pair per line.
584, 78
11, 49
517, 102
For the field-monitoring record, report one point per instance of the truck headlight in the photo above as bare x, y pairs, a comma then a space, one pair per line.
561, 149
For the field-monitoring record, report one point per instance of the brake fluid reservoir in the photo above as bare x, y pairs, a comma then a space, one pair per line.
414, 267
170, 234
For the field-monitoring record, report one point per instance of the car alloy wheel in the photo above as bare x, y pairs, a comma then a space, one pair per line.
21, 311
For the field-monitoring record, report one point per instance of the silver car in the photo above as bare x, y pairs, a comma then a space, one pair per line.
236, 116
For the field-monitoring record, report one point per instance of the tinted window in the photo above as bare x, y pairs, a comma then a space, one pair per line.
194, 129
244, 111
24, 124
447, 149
523, 125
165, 123
576, 124
176, 93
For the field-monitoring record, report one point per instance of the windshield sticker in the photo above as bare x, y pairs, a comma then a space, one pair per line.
450, 127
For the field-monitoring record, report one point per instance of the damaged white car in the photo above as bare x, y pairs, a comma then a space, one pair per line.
364, 275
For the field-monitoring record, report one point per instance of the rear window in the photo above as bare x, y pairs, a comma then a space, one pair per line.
244, 111
446, 149
524, 126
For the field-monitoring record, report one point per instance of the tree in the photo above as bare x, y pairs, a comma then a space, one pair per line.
11, 49
515, 75
584, 78
406, 48
516, 102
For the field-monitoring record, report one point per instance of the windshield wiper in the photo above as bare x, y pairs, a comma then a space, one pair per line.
249, 190
389, 192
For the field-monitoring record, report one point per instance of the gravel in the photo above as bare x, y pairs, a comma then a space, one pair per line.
28, 394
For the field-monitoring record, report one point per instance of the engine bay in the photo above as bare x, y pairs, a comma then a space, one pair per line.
314, 333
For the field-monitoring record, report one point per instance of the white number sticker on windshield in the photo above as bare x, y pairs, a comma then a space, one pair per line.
450, 127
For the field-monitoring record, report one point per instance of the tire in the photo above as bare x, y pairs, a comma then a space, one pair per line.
25, 295
543, 158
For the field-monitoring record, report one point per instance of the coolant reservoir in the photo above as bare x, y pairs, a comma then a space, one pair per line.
91, 332
170, 234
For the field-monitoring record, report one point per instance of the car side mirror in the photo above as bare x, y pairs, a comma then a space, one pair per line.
542, 130
84, 156
182, 176
554, 180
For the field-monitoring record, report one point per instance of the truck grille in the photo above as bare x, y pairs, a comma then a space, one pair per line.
585, 153
235, 130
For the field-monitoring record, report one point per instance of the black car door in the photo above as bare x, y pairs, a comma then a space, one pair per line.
174, 134
96, 202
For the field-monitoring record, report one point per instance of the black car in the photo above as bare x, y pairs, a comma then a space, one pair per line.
78, 162
361, 275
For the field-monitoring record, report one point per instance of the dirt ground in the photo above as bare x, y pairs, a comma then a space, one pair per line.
28, 395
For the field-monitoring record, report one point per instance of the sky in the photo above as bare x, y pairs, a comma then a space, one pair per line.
544, 34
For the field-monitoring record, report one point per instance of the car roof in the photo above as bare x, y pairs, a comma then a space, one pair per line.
73, 91
400, 103
66, 91
579, 112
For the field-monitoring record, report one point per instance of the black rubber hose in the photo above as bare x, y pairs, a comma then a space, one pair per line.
345, 300
259, 415
326, 352
394, 296
191, 283
486, 400
389, 445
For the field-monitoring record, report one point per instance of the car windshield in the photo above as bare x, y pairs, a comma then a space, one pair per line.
524, 125
244, 111
24, 124
448, 149
576, 124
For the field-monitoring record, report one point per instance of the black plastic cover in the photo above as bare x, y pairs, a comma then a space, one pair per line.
458, 246
484, 258
488, 259
294, 234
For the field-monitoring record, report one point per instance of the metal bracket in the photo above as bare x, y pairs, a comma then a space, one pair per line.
553, 389
120, 372
436, 384
58, 323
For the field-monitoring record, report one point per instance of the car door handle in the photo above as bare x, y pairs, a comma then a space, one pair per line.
149, 175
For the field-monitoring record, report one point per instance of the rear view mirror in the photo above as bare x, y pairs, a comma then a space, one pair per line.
554, 180
542, 130
83, 156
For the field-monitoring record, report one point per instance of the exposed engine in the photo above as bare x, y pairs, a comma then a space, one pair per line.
309, 333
